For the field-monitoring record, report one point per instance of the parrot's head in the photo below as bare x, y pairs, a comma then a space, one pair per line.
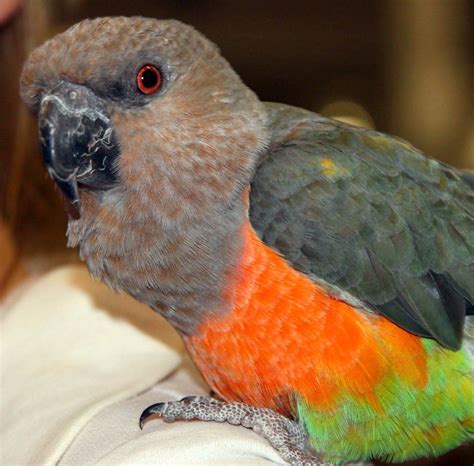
134, 112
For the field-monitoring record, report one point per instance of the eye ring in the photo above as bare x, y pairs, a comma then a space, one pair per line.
148, 79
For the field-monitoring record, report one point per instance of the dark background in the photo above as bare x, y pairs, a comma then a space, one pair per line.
405, 67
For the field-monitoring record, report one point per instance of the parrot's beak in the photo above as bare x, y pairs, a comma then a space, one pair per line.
78, 142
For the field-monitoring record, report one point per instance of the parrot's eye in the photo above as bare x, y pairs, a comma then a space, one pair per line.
148, 79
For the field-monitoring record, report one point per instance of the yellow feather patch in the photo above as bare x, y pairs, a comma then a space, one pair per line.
331, 169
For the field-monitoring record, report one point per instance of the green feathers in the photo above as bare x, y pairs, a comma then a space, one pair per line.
412, 422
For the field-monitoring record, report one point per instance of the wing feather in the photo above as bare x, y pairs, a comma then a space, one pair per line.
372, 215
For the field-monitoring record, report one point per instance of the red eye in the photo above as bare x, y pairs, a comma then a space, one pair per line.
148, 79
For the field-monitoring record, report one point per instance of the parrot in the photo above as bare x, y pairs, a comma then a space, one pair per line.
320, 275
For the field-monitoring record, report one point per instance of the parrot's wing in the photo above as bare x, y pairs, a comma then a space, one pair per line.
370, 215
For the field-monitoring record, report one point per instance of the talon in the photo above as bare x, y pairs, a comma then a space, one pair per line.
157, 408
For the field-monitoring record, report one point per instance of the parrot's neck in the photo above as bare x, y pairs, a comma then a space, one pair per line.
180, 268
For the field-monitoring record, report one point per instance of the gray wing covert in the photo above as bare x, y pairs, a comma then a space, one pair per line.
372, 215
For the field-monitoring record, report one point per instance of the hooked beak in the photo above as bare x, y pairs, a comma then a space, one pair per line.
78, 142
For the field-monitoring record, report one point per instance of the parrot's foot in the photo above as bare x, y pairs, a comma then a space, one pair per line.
285, 435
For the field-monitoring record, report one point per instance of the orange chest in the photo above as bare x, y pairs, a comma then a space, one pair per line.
284, 335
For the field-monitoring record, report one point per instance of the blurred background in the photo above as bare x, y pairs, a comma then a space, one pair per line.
405, 67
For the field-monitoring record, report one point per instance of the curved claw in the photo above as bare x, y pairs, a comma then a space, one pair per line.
157, 408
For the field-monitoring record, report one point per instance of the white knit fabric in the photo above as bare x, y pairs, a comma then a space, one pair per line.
79, 364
